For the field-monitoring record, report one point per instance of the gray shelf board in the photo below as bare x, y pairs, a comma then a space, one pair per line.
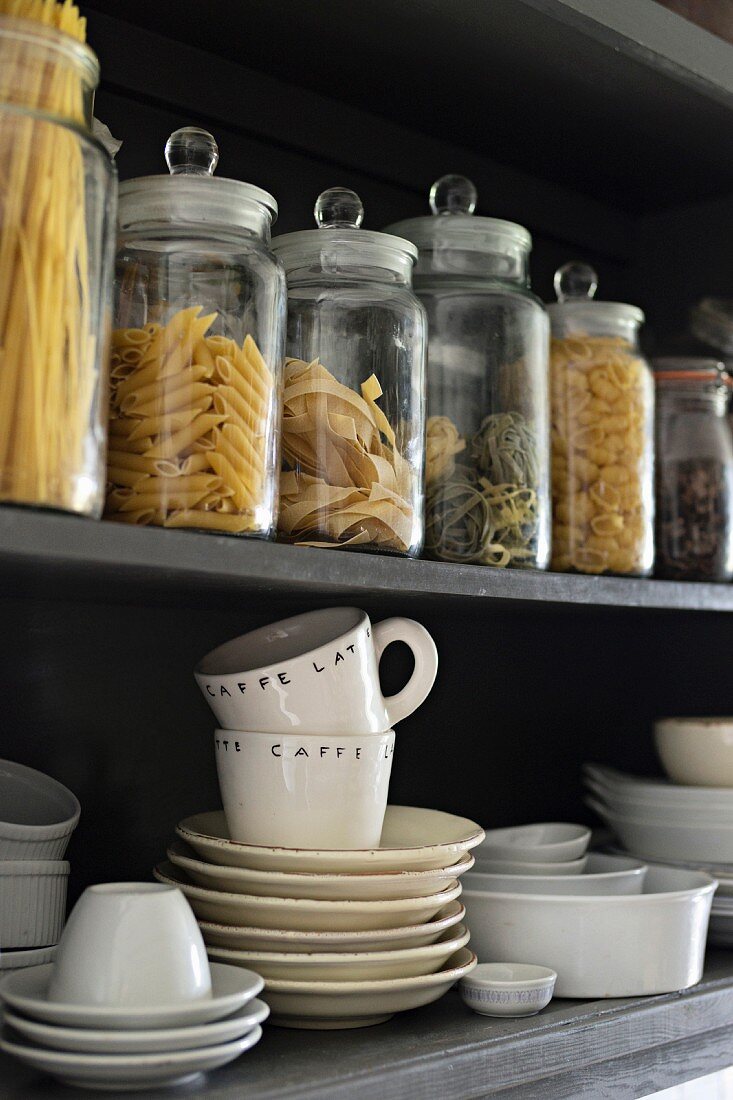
446, 1052
622, 100
47, 552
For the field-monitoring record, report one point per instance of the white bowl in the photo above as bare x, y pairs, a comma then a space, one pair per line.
413, 839
330, 1005
696, 751
544, 843
665, 838
403, 962
286, 940
607, 875
322, 887
513, 867
38, 814
631, 946
305, 914
508, 989
659, 792
32, 902
664, 813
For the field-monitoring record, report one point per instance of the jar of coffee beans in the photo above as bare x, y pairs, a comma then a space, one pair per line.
694, 471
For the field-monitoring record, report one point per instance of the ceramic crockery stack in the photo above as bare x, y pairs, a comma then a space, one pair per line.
130, 1001
37, 818
342, 937
304, 752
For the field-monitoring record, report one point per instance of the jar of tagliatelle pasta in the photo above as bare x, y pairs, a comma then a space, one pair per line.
487, 453
602, 408
196, 350
354, 397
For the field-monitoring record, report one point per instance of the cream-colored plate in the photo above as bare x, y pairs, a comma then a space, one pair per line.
286, 884
406, 962
287, 941
303, 913
413, 839
327, 1005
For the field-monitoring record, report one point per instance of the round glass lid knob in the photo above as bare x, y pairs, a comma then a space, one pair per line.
575, 280
453, 195
338, 208
192, 152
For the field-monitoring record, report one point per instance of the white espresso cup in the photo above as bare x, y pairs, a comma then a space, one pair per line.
131, 944
315, 673
304, 790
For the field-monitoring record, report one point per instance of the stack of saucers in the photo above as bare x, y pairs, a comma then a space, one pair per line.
37, 817
343, 938
130, 1001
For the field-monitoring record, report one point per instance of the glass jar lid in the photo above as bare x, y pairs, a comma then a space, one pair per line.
191, 194
575, 286
454, 226
339, 242
691, 370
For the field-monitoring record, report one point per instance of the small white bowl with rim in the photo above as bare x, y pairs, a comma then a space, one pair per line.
508, 989
547, 842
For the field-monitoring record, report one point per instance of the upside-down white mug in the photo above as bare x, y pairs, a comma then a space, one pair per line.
304, 791
315, 673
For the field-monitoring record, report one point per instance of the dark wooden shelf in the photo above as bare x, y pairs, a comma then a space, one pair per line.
49, 551
571, 1050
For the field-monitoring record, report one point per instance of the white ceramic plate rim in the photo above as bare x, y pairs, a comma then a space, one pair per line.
244, 1019
287, 934
377, 985
612, 899
256, 900
469, 840
21, 958
622, 782
240, 986
60, 1059
329, 878
401, 954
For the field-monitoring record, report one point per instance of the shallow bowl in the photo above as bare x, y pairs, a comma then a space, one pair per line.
543, 843
508, 989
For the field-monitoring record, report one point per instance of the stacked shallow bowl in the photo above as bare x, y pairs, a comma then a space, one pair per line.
343, 938
37, 818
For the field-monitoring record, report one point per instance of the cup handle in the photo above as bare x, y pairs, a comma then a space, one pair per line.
423, 649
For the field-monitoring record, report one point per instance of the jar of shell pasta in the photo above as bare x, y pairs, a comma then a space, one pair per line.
602, 407
487, 451
353, 422
197, 349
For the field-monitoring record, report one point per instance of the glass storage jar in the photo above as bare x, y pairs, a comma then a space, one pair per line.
487, 451
694, 471
354, 404
197, 349
57, 217
602, 406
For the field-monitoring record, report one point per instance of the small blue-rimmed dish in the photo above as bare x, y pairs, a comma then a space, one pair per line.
508, 989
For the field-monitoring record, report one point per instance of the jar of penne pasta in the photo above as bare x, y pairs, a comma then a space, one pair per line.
57, 221
353, 422
487, 452
602, 402
197, 350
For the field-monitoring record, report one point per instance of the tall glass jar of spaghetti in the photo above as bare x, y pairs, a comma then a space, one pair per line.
57, 218
353, 428
602, 403
487, 450
197, 346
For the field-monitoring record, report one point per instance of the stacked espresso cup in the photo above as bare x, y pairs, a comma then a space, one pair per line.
348, 908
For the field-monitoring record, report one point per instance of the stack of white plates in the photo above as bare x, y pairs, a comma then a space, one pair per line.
342, 938
129, 1048
660, 821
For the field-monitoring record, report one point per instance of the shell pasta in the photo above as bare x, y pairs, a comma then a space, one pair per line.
190, 428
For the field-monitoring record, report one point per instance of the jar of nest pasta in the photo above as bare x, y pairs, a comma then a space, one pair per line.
602, 403
354, 398
487, 457
196, 350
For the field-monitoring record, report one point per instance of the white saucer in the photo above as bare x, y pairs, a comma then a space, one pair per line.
26, 991
157, 1040
27, 956
133, 1072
